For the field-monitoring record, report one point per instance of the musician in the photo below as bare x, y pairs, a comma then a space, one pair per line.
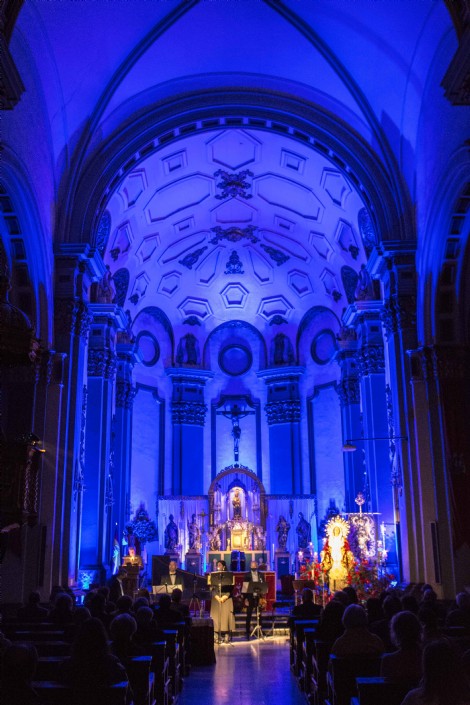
251, 600
222, 607
172, 579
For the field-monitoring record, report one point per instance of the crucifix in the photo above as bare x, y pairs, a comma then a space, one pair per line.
234, 413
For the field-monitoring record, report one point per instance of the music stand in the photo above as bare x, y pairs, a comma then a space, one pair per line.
195, 604
257, 589
220, 579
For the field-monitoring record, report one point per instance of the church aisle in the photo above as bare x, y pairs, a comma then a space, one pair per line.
255, 672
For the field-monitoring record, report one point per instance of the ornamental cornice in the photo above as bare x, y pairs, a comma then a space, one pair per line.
284, 411
189, 412
101, 363
399, 313
348, 390
281, 374
371, 360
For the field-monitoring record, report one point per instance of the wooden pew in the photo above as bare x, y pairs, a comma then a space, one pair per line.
342, 674
379, 691
52, 693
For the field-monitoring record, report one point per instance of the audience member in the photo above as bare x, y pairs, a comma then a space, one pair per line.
357, 639
374, 610
123, 605
62, 612
429, 623
459, 616
351, 594
331, 624
405, 664
18, 669
177, 605
391, 606
444, 681
32, 611
91, 665
146, 632
122, 630
164, 615
409, 603
308, 609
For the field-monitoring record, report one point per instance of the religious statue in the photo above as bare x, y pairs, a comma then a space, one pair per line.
282, 529
194, 534
304, 532
336, 557
188, 350
106, 291
282, 352
214, 539
237, 504
365, 286
171, 535
260, 538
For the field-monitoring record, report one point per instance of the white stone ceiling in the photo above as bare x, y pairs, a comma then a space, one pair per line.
235, 224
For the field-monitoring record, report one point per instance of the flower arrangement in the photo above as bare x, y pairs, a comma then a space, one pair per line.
142, 526
366, 578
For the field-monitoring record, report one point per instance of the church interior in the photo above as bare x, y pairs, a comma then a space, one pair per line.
234, 272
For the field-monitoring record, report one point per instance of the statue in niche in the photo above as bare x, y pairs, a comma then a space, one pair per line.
282, 528
304, 532
106, 291
237, 504
214, 539
260, 538
336, 556
282, 350
171, 534
194, 534
365, 286
188, 350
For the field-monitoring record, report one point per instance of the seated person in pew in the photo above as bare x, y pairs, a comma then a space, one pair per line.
357, 640
444, 681
91, 665
62, 612
177, 605
165, 616
308, 609
32, 610
147, 632
331, 624
18, 669
404, 665
122, 630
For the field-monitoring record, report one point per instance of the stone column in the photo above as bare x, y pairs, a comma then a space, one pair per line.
122, 430
441, 386
188, 416
283, 416
76, 267
349, 393
365, 317
98, 497
396, 269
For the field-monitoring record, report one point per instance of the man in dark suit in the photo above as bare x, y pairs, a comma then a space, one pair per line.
115, 585
172, 579
251, 600
308, 609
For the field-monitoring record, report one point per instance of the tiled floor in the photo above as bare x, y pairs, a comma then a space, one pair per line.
247, 673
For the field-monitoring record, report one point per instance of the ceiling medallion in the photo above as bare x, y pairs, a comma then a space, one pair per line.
233, 185
234, 234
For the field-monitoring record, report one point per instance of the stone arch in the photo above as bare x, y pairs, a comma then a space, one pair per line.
235, 326
160, 125
444, 290
249, 475
25, 244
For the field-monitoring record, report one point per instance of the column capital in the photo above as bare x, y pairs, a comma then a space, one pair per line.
125, 393
72, 317
282, 411
349, 391
101, 363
